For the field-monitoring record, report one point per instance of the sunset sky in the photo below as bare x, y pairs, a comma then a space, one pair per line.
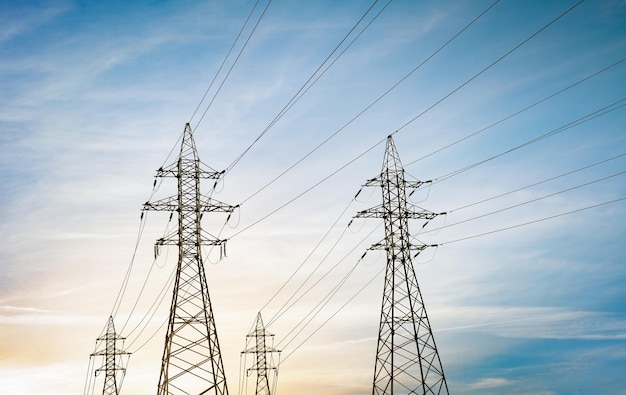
514, 109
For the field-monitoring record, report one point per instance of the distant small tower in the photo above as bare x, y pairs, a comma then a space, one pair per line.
111, 355
407, 360
260, 351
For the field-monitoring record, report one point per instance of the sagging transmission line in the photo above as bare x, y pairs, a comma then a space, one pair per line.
535, 221
317, 74
368, 107
554, 20
506, 118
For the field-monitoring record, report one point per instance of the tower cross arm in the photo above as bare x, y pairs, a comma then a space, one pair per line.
198, 170
415, 183
167, 204
174, 241
374, 182
416, 212
378, 181
411, 212
253, 350
206, 205
383, 245
104, 352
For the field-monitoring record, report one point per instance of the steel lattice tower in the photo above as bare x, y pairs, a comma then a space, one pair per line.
110, 354
407, 360
260, 351
192, 362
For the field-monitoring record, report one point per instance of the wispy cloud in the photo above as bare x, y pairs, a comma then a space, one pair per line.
26, 18
490, 383
536, 322
11, 315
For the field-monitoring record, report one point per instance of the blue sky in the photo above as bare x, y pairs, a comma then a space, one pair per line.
94, 96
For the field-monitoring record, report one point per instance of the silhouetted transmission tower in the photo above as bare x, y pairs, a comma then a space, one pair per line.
261, 352
407, 361
192, 362
111, 354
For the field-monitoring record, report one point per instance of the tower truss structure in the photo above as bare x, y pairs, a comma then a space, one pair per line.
192, 361
261, 351
407, 360
112, 360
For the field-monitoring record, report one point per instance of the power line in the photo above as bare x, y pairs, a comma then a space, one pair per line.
533, 222
489, 66
593, 115
529, 201
334, 314
368, 107
224, 61
579, 121
143, 287
316, 309
518, 112
325, 300
537, 183
307, 257
306, 190
306, 86
403, 126
284, 309
234, 63
152, 311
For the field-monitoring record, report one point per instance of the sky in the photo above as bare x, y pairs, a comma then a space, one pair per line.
518, 119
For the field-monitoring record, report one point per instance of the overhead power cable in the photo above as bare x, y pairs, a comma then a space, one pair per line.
316, 310
518, 112
534, 221
149, 338
489, 66
149, 315
122, 290
325, 300
593, 115
528, 201
224, 61
143, 287
232, 66
368, 107
306, 190
120, 295
536, 183
333, 315
319, 243
403, 126
317, 74
284, 308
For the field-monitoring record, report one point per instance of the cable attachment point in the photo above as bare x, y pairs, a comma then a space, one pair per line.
157, 247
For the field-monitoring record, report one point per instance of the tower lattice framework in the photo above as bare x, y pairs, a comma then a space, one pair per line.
111, 354
192, 361
407, 360
260, 351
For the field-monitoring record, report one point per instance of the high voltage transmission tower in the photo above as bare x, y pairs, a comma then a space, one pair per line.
407, 360
261, 352
192, 361
111, 355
